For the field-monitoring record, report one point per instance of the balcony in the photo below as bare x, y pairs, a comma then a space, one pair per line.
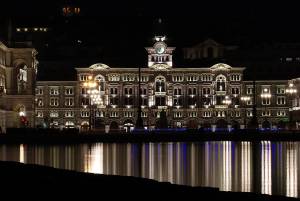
220, 93
160, 93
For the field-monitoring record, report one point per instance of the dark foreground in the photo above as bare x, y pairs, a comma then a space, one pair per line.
32, 182
73, 136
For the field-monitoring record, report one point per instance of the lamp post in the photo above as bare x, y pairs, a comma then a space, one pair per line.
139, 121
92, 93
265, 96
244, 99
227, 101
291, 90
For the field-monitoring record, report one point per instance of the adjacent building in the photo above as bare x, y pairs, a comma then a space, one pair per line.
18, 68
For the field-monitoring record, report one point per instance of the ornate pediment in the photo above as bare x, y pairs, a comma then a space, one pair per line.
220, 67
99, 66
160, 67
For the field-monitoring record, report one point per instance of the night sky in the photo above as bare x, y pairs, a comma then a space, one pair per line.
116, 32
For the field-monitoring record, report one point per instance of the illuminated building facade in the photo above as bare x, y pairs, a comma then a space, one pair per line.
215, 97
18, 68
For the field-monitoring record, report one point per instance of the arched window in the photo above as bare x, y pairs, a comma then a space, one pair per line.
221, 83
101, 82
160, 84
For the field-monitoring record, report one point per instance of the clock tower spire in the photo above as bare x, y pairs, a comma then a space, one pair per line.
160, 55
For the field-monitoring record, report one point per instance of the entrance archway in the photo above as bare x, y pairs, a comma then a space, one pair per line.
84, 126
114, 127
266, 124
192, 124
281, 125
128, 126
235, 125
221, 124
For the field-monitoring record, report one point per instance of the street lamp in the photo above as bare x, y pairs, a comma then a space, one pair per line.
245, 99
93, 94
265, 96
291, 90
227, 101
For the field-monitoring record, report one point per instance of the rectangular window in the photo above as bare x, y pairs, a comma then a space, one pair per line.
144, 114
235, 90
235, 77
177, 114
114, 114
265, 101
177, 78
206, 77
99, 113
207, 114
84, 77
54, 102
40, 102
249, 90
128, 114
54, 91
280, 90
39, 91
206, 91
144, 78
192, 114
281, 113
69, 101
53, 114
249, 113
69, 114
280, 100
39, 114
220, 113
69, 91
265, 113
113, 91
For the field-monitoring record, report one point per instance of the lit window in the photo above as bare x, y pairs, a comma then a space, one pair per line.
69, 101
249, 90
53, 101
69, 114
280, 90
39, 114
280, 100
54, 91
53, 114
85, 113
281, 113
177, 114
207, 114
39, 91
265, 113
69, 91
249, 113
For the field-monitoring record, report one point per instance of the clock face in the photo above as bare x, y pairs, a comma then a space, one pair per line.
160, 48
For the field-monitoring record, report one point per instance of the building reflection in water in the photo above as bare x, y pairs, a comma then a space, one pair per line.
266, 179
226, 165
292, 169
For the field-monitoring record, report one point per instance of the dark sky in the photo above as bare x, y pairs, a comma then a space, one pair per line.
119, 29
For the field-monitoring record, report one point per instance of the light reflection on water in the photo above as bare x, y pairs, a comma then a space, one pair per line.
227, 165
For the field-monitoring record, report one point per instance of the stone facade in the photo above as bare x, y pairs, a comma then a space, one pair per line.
18, 68
210, 97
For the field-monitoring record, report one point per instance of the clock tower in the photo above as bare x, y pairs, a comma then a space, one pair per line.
160, 55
